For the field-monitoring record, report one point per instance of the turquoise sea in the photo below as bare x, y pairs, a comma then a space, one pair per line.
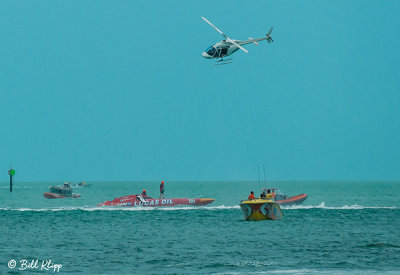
342, 228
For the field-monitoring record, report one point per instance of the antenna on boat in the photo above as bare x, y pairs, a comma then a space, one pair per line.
265, 178
259, 180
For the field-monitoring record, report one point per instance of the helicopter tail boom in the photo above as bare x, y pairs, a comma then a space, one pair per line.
254, 41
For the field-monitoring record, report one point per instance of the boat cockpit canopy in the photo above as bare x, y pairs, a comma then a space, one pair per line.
61, 190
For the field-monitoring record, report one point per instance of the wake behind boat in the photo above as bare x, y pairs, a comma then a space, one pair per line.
146, 201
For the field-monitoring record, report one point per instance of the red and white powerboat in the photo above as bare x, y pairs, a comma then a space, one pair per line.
145, 201
298, 199
282, 199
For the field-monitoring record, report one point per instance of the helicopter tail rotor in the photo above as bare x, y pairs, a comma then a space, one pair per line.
269, 38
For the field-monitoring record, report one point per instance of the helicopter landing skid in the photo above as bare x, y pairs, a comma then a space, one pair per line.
223, 62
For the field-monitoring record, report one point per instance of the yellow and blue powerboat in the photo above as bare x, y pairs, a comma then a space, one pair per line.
261, 209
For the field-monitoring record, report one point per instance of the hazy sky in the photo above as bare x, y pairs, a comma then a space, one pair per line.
118, 90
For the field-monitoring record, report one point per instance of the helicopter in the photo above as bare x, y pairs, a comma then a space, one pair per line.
229, 46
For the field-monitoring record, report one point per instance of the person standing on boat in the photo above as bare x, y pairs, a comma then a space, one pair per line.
162, 190
263, 195
269, 195
251, 196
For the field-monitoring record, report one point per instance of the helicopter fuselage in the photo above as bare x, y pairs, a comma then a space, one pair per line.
220, 50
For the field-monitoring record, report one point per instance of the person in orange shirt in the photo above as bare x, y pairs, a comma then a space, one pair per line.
251, 196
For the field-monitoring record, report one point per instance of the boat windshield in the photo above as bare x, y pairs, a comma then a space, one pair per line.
141, 198
211, 51
55, 190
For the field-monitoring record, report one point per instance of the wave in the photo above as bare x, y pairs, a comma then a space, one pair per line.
315, 271
16, 187
100, 208
382, 245
344, 207
185, 208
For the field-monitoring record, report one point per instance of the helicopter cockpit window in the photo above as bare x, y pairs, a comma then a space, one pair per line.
211, 51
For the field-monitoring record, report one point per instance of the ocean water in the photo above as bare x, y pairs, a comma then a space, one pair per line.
342, 228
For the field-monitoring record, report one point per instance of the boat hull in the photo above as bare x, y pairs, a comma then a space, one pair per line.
58, 196
257, 210
293, 200
134, 201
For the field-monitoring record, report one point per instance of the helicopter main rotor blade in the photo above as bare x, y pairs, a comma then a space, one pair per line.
226, 37
212, 25
236, 44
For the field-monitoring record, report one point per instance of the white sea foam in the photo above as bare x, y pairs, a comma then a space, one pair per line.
344, 207
185, 208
